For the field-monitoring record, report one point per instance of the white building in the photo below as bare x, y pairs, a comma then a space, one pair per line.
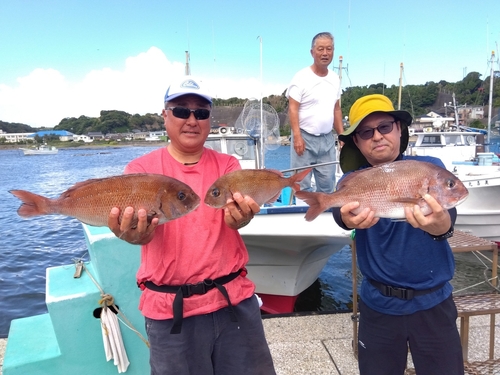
14, 137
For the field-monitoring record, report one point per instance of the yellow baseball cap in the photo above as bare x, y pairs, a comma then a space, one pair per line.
350, 157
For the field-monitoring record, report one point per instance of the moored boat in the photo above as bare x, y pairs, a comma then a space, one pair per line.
40, 150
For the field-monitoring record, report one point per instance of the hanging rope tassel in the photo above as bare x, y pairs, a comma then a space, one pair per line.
111, 335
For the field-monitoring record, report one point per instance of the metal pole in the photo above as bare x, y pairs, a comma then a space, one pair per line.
261, 111
490, 102
340, 77
455, 109
400, 85
188, 70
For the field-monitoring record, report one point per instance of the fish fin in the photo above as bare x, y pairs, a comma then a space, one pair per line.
296, 178
33, 204
315, 202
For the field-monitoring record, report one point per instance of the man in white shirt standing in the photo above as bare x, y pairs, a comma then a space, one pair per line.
314, 111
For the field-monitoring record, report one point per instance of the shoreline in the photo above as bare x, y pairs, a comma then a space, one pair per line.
89, 146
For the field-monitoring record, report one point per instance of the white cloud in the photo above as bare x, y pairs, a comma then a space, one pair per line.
44, 97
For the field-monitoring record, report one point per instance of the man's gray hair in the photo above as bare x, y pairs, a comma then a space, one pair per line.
321, 35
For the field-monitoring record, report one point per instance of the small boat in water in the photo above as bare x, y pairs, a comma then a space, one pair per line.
40, 150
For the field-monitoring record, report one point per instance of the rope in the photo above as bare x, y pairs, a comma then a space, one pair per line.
487, 280
107, 300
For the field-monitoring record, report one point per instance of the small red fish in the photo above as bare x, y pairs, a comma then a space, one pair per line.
389, 188
263, 185
91, 201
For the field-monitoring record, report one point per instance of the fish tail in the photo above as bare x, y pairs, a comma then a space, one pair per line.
296, 178
33, 204
314, 200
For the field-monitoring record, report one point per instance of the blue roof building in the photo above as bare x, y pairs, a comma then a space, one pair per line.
59, 133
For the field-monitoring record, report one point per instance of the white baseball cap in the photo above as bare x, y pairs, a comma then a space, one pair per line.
185, 85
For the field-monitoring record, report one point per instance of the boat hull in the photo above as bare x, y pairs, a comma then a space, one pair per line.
479, 214
288, 253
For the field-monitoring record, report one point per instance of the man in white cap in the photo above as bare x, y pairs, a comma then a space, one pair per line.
201, 313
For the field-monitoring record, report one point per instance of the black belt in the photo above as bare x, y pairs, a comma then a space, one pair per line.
402, 293
187, 290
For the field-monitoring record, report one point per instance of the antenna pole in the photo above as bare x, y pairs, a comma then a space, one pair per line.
188, 69
340, 77
490, 102
261, 164
400, 85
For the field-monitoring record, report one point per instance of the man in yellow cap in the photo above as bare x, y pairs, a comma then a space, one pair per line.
406, 296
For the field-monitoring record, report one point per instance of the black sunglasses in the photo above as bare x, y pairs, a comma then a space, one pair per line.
383, 128
183, 112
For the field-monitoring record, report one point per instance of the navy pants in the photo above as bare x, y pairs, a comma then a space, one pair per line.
431, 335
212, 344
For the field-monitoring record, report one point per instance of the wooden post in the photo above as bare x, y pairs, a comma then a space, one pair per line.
354, 316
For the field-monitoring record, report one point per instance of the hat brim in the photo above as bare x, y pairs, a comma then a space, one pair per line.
352, 159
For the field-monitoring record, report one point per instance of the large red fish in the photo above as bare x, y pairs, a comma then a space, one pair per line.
389, 188
263, 185
91, 201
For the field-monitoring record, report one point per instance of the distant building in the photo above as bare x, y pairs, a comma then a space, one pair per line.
95, 135
14, 137
63, 135
83, 137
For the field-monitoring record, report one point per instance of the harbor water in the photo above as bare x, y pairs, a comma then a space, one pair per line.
30, 246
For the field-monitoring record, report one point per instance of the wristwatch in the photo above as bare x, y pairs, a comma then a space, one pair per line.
445, 236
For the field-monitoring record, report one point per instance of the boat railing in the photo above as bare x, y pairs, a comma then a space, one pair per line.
297, 169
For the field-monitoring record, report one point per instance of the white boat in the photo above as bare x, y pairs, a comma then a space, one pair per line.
40, 150
462, 153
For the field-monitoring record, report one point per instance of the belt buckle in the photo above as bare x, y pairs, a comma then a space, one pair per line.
189, 289
401, 293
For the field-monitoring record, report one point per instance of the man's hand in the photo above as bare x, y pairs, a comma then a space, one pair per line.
239, 211
298, 144
365, 219
136, 231
435, 223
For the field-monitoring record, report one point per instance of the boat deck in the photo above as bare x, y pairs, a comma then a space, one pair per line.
321, 343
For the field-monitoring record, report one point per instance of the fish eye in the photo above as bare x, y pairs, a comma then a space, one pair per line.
450, 183
215, 192
181, 195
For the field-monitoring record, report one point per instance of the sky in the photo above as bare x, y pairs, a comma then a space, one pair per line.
67, 58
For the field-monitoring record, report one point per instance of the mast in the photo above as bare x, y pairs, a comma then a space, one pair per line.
400, 85
340, 77
261, 164
455, 109
490, 101
188, 69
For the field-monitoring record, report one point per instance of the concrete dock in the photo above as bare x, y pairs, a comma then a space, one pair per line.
321, 344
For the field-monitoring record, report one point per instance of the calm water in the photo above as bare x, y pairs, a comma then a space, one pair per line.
29, 246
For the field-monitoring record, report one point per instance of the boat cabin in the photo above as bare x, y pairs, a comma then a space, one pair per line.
236, 143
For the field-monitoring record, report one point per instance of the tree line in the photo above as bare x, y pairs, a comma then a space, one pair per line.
416, 99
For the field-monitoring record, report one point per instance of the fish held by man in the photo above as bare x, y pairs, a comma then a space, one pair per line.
91, 201
263, 185
389, 188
